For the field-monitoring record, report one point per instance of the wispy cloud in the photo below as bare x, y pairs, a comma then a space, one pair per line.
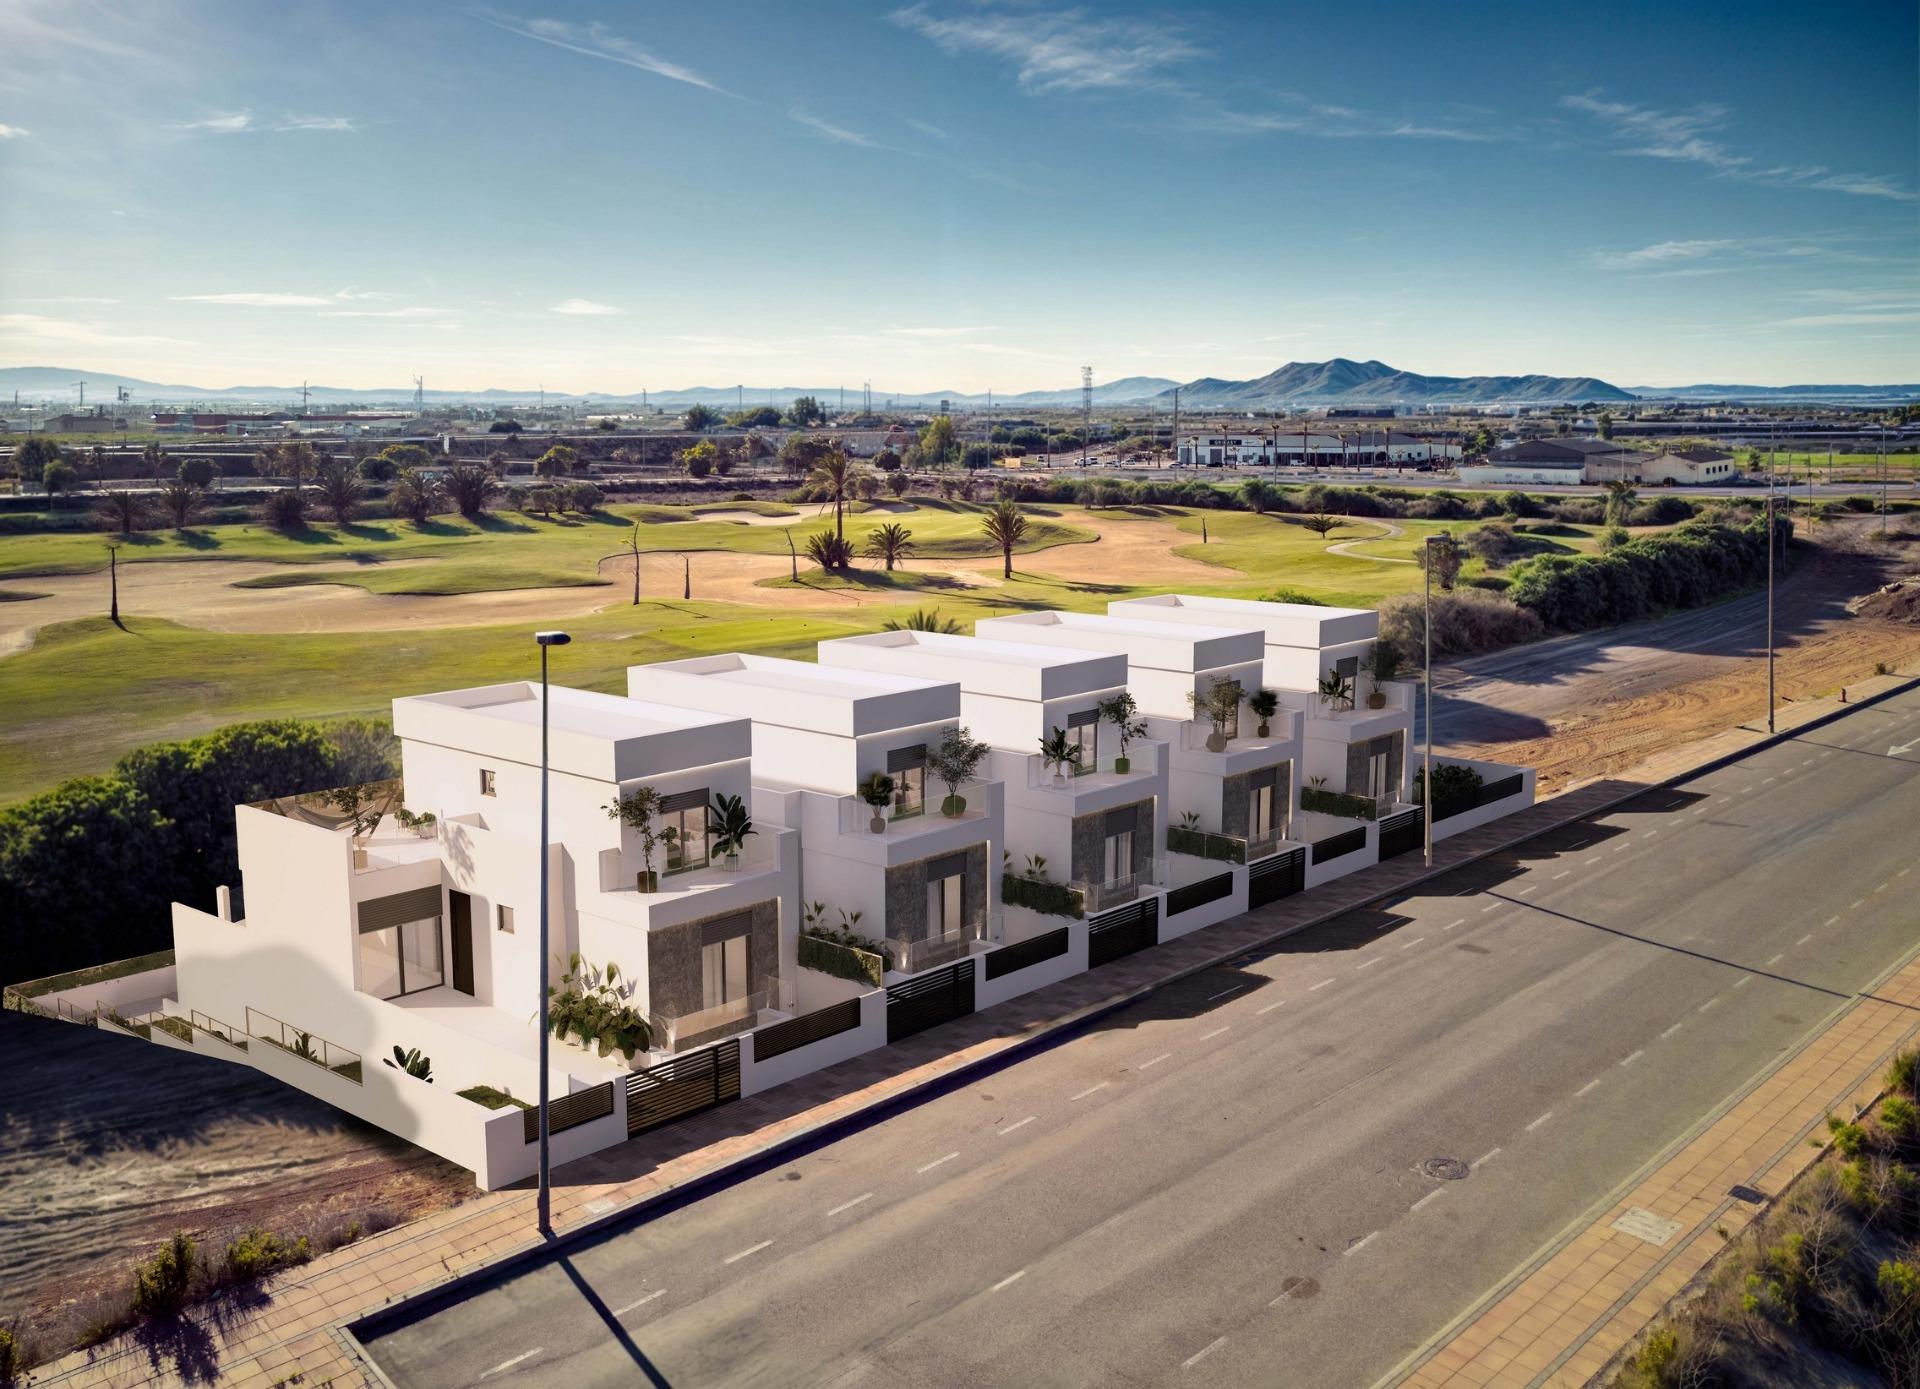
596, 40
587, 307
336, 123
837, 133
940, 332
933, 131
219, 123
68, 299
28, 327
257, 299
245, 122
1661, 253
1690, 136
1889, 313
1059, 50
412, 311
13, 132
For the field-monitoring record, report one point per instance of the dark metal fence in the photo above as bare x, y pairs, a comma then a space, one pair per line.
805, 1030
930, 999
1122, 931
1402, 832
1280, 876
1185, 899
1008, 959
685, 1085
1340, 845
569, 1111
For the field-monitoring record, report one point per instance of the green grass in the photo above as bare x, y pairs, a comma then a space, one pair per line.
491, 1098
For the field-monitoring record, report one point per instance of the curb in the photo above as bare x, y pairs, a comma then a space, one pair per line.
1048, 1034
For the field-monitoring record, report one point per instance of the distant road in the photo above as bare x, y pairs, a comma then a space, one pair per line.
1227, 1178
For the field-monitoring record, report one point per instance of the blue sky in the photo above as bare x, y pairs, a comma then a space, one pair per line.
956, 194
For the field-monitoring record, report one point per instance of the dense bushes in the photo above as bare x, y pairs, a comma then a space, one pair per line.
1466, 622
1696, 564
832, 952
87, 870
1041, 895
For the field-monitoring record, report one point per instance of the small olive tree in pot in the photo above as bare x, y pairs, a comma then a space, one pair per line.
1123, 712
955, 763
1383, 664
1219, 706
636, 810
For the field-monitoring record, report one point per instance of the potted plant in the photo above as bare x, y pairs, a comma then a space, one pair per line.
1336, 690
729, 824
1383, 664
1059, 752
1123, 712
954, 763
1264, 704
636, 810
1220, 705
877, 791
421, 824
362, 807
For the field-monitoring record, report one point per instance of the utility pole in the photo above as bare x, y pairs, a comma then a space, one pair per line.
113, 577
1086, 413
543, 1201
634, 543
1426, 684
1175, 439
1769, 602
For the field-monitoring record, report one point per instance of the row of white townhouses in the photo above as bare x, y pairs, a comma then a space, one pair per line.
938, 823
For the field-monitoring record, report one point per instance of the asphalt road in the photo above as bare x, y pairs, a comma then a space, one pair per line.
1224, 1181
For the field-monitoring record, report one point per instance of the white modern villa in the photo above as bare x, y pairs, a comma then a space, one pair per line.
759, 867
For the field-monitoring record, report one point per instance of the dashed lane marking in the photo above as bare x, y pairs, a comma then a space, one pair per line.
509, 1364
736, 1258
622, 1311
1358, 1245
1202, 1353
1487, 1156
1541, 1120
1021, 1125
939, 1161
1091, 1089
846, 1206
1155, 1062
1008, 1281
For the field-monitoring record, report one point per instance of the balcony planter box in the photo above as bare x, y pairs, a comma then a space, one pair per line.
841, 961
1339, 803
1039, 895
1200, 844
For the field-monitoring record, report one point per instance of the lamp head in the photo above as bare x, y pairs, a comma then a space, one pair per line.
552, 638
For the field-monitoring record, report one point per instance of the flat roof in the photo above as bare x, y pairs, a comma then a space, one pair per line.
798, 694
590, 734
981, 666
1180, 647
1306, 625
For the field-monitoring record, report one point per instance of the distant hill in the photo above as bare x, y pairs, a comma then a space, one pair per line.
1340, 381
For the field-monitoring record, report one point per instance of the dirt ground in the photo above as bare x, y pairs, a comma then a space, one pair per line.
108, 1145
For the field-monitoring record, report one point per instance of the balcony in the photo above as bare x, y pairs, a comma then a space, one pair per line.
1346, 805
1142, 761
1282, 728
673, 1033
1224, 848
1117, 892
857, 817
930, 952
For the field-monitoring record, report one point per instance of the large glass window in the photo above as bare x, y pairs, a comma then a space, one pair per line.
723, 972
684, 832
1083, 730
1379, 757
909, 791
1260, 812
402, 959
944, 905
1119, 856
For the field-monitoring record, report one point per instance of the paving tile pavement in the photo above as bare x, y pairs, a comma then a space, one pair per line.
298, 1316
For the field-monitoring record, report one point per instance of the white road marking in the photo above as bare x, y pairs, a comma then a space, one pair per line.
1008, 1281
736, 1258
1358, 1245
1271, 1006
1487, 1156
1451, 924
1587, 1088
1702, 810
1903, 872
1621, 848
1021, 1125
1648, 834
622, 1311
1884, 886
1155, 1062
1857, 905
849, 1205
1216, 1032
938, 1161
1437, 1191
1366, 964
1671, 1030
1829, 921
1202, 1353
1635, 1056
1769, 781
1415, 941
1710, 1003
1321, 985
1224, 992
1490, 907
1804, 939
1742, 981
1525, 890
1777, 958
1541, 1120
1743, 790
1090, 1090
1590, 862
509, 1364
1563, 873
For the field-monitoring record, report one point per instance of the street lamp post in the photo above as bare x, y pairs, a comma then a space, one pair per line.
1426, 692
544, 1202
1769, 602
113, 577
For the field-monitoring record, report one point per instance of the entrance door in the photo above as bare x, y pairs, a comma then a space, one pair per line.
462, 914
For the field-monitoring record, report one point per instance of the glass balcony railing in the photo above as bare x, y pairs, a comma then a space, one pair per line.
675, 1032
1223, 848
895, 820
1117, 892
928, 952
1139, 761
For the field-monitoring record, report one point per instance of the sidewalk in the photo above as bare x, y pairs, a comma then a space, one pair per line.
293, 1327
1565, 1320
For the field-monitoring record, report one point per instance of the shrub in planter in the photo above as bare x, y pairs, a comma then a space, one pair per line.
412, 1062
588, 1005
487, 1097
1452, 783
843, 955
1339, 803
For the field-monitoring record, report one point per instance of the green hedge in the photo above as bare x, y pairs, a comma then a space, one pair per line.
841, 961
1200, 844
1338, 803
1694, 565
490, 1098
1037, 894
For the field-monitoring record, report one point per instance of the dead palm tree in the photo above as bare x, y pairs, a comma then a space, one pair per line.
834, 472
1005, 526
892, 543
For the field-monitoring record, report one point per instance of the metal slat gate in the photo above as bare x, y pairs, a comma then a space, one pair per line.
685, 1085
929, 1000
1402, 832
1122, 931
1279, 876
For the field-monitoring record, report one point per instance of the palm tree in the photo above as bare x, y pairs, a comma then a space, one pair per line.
1621, 496
340, 486
1320, 524
471, 488
1006, 527
180, 500
923, 620
122, 510
892, 542
834, 472
413, 496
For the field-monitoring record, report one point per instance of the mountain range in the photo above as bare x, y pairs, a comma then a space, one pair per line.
1340, 381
